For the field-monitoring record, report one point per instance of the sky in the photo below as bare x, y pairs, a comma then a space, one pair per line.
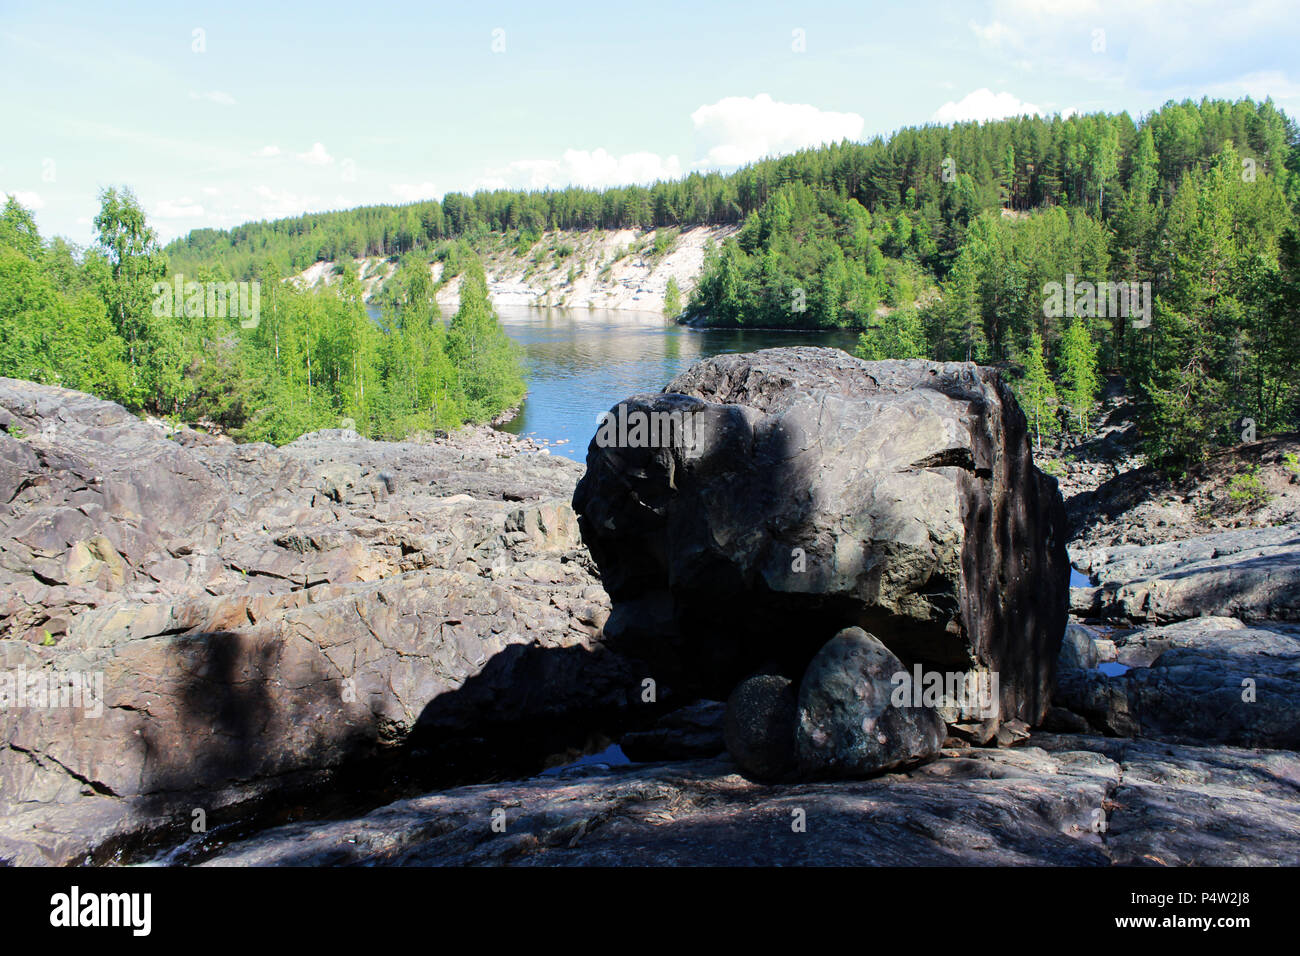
219, 114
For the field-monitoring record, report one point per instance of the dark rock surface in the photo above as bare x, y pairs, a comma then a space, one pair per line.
759, 726
1250, 573
850, 724
1205, 680
695, 730
260, 617
823, 492
1057, 800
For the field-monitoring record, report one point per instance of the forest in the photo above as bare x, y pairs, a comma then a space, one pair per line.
94, 320
956, 244
942, 242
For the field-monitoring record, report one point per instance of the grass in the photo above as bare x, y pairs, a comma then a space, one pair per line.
1246, 491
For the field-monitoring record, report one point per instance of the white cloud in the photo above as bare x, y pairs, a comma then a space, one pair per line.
740, 129
215, 96
316, 156
410, 192
1160, 47
177, 209
268, 151
984, 104
580, 167
26, 199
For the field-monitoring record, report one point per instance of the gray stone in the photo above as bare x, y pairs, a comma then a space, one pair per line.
1078, 648
850, 722
821, 492
1249, 573
760, 726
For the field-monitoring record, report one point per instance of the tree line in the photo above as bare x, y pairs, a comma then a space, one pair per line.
104, 320
1164, 250
1172, 240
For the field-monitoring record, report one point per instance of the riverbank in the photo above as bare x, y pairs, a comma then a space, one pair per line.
398, 638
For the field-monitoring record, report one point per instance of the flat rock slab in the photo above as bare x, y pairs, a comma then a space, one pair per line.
1059, 800
1204, 680
1250, 573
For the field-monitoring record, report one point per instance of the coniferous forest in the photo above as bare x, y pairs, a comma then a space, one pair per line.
938, 241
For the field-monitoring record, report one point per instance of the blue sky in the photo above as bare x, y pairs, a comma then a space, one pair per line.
274, 109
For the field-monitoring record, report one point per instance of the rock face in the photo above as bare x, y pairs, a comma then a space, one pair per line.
760, 726
851, 721
1204, 680
1056, 800
1251, 573
695, 730
817, 492
240, 621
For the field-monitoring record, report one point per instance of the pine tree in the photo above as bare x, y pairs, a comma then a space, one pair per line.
1077, 362
1037, 394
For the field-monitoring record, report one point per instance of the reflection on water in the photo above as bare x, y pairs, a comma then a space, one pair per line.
582, 362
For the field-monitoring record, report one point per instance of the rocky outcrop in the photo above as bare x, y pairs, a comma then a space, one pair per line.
1057, 800
817, 492
1250, 573
1114, 498
240, 621
1205, 680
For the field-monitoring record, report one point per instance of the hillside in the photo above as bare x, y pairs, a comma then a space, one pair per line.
565, 268
1163, 248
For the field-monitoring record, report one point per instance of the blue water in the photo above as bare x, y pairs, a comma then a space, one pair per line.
612, 756
1113, 669
582, 362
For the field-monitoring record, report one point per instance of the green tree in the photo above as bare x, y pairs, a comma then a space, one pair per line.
1077, 363
1036, 392
898, 334
491, 376
672, 298
136, 262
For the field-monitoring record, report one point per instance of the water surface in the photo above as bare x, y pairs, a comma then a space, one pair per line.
582, 362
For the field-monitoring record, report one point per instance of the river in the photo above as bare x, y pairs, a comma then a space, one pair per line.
582, 362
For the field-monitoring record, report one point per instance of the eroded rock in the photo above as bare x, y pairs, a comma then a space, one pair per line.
850, 722
818, 492
260, 619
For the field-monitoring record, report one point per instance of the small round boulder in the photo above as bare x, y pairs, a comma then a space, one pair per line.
760, 724
850, 722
